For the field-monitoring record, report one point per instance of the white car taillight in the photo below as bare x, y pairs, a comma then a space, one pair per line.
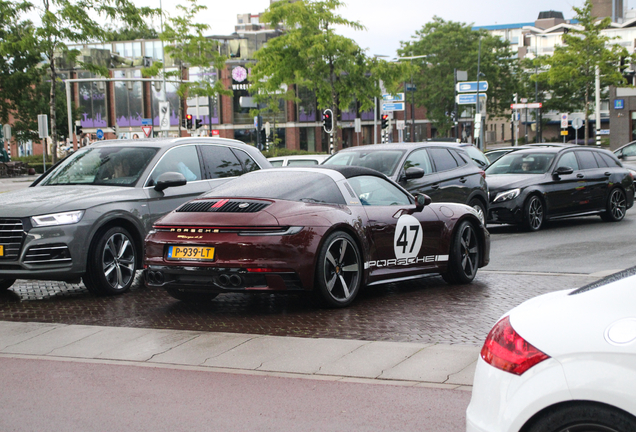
505, 349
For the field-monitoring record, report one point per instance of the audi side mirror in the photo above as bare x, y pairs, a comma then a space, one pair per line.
169, 179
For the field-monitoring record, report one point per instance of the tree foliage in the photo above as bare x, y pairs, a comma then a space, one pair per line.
311, 54
570, 73
450, 45
187, 45
66, 22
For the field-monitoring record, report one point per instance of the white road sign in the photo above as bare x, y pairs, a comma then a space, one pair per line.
564, 121
164, 116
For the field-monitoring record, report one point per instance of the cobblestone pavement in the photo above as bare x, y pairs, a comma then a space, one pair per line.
425, 311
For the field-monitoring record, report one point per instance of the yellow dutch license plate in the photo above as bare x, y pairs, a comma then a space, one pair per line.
1, 250
190, 253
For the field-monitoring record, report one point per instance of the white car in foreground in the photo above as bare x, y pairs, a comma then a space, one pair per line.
562, 362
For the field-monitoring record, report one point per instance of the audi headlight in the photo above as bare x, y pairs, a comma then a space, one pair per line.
67, 218
507, 195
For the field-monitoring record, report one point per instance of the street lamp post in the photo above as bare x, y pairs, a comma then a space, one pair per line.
411, 58
375, 108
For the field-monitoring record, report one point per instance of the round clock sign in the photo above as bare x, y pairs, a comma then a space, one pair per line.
239, 74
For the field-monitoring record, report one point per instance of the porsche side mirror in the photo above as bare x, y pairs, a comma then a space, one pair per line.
563, 171
421, 201
169, 179
413, 173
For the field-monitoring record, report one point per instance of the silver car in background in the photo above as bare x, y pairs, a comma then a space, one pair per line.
88, 216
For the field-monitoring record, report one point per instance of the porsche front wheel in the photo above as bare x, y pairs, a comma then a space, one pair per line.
463, 259
339, 270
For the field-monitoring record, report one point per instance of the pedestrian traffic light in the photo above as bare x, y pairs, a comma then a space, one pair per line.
198, 123
327, 120
189, 121
78, 129
385, 121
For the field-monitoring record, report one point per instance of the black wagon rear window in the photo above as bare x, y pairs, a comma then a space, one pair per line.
292, 185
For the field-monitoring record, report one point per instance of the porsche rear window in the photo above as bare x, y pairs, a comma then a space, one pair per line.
292, 185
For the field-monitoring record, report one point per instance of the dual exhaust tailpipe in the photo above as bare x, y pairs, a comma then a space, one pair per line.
155, 277
233, 280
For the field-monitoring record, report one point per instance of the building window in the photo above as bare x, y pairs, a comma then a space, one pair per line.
92, 102
173, 98
129, 49
208, 107
128, 98
308, 139
153, 49
307, 105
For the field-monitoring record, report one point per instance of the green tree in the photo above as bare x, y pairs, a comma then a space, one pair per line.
130, 33
19, 59
187, 46
311, 54
66, 22
570, 73
450, 45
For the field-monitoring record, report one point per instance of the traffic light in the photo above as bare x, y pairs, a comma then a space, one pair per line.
327, 120
189, 121
78, 129
385, 121
198, 123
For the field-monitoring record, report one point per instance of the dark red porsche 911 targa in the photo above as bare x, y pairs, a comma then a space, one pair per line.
326, 230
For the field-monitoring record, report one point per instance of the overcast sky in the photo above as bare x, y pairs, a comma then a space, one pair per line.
388, 22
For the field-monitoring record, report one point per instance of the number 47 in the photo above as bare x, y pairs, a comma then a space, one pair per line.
404, 240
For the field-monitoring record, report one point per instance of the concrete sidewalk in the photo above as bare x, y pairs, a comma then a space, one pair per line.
411, 364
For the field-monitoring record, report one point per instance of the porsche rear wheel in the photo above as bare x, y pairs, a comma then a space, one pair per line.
339, 270
5, 284
463, 260
191, 297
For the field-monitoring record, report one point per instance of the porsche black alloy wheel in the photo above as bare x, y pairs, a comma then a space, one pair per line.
112, 263
616, 206
5, 284
533, 213
339, 271
584, 417
463, 260
191, 297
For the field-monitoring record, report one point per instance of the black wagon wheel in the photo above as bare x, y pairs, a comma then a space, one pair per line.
112, 263
534, 213
463, 260
5, 284
616, 206
480, 208
339, 270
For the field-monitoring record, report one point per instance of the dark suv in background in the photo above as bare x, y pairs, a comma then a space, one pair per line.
443, 171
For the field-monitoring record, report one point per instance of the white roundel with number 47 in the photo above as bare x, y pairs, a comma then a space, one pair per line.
407, 240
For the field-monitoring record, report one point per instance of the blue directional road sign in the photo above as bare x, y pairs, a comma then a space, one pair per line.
393, 97
100, 134
470, 98
392, 106
471, 86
